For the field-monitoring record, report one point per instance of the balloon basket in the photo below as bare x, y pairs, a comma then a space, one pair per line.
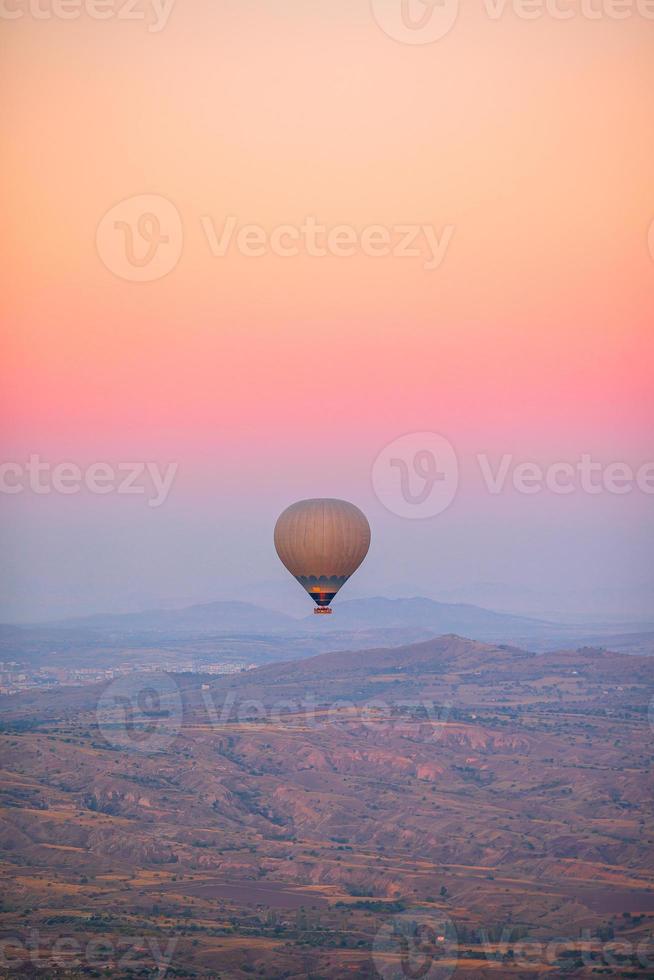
322, 611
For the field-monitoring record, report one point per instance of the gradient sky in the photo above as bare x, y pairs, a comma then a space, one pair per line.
271, 379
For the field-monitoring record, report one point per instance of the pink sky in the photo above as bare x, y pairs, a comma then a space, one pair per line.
268, 379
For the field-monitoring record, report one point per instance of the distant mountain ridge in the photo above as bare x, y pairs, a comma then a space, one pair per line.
355, 624
353, 614
220, 615
442, 617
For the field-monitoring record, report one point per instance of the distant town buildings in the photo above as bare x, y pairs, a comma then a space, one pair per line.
16, 677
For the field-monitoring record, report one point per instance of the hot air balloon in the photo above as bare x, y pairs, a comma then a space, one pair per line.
322, 543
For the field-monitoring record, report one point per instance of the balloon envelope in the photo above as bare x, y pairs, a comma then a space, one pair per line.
322, 542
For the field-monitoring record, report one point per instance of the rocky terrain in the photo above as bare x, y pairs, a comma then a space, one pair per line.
446, 808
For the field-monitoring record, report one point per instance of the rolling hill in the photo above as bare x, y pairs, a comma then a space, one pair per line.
288, 815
